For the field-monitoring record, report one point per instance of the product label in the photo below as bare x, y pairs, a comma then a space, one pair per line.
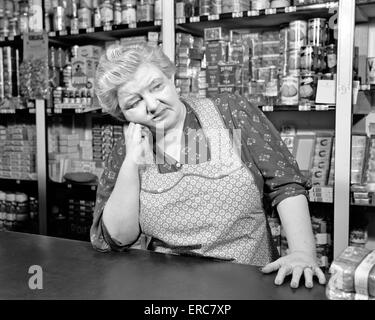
362, 273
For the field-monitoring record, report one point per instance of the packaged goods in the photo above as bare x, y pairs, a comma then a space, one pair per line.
352, 275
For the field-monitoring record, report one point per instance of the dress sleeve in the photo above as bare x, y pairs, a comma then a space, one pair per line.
99, 236
262, 143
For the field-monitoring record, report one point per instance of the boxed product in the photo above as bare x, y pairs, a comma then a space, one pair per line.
352, 275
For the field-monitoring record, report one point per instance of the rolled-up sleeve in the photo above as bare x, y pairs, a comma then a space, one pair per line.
263, 150
99, 236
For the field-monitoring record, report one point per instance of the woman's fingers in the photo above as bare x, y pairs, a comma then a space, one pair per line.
282, 273
271, 267
308, 273
320, 274
297, 273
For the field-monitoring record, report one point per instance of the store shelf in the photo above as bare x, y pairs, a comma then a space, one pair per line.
301, 108
256, 18
11, 41
69, 109
23, 112
75, 187
364, 11
107, 33
11, 181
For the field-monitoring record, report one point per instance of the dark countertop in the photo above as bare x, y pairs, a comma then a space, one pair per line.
74, 270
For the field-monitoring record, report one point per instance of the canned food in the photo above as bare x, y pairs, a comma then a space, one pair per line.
59, 18
128, 15
84, 18
145, 12
317, 32
371, 70
289, 90
260, 4
106, 13
297, 34
308, 86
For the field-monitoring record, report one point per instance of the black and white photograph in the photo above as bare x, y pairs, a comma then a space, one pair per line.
187, 155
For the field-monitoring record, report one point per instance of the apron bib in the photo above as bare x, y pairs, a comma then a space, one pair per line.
213, 208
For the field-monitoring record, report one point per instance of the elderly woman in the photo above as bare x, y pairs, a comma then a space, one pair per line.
197, 192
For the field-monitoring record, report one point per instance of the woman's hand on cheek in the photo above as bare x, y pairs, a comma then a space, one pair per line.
296, 263
137, 144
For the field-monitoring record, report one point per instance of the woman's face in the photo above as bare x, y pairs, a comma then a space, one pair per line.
150, 99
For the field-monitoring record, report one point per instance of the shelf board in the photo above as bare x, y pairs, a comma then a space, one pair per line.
7, 181
313, 108
11, 41
364, 12
97, 34
22, 112
256, 19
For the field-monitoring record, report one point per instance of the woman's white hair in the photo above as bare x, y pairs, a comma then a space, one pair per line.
117, 66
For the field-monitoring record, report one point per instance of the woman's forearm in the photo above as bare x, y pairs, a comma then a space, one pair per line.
295, 219
121, 212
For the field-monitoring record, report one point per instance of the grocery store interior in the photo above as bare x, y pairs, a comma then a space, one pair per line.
309, 65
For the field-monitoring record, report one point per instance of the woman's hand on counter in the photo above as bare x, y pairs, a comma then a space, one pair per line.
296, 264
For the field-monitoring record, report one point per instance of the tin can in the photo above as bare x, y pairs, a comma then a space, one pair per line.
58, 18
97, 17
86, 4
106, 13
4, 26
297, 34
216, 6
308, 86
35, 16
22, 207
158, 10
2, 210
317, 32
180, 10
289, 90
117, 12
128, 15
84, 18
10, 204
145, 12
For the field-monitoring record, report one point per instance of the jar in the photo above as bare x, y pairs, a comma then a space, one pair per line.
294, 60
289, 90
331, 53
11, 211
84, 18
297, 34
310, 59
307, 89
317, 32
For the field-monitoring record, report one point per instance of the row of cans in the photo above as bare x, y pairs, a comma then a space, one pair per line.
106, 13
9, 72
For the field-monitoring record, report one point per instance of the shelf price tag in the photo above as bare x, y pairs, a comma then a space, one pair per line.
304, 108
63, 33
93, 188
321, 107
158, 23
132, 25
11, 38
194, 19
180, 20
90, 30
213, 17
2, 39
237, 14
270, 11
107, 28
253, 13
74, 31
267, 108
290, 9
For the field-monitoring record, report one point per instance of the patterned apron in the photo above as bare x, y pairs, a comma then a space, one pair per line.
213, 208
